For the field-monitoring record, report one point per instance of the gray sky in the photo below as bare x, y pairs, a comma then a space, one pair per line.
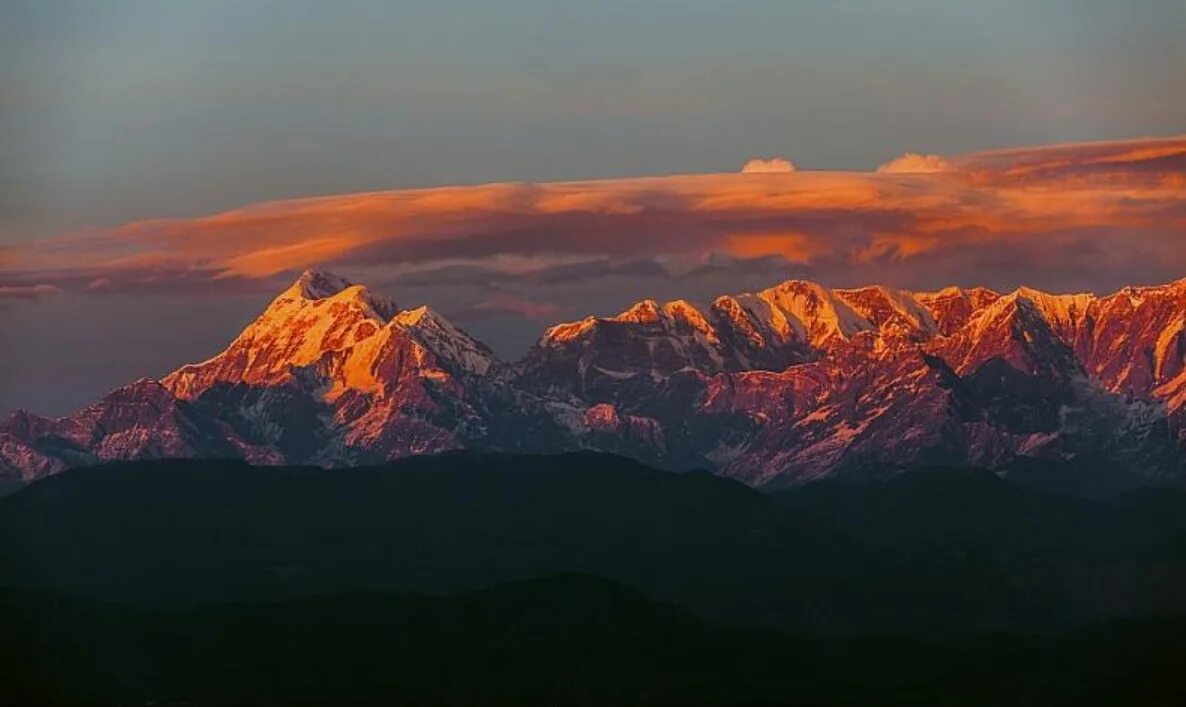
127, 109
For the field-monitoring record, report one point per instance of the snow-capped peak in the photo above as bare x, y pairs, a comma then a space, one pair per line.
814, 313
319, 313
319, 284
1062, 312
677, 316
445, 340
647, 311
890, 310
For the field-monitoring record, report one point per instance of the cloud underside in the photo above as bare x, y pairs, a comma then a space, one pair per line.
1070, 216
28, 292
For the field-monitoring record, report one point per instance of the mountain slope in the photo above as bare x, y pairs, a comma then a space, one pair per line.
788, 384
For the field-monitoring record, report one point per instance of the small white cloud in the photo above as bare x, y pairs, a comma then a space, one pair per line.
768, 166
914, 163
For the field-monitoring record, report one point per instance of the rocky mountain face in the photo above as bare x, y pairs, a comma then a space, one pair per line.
778, 387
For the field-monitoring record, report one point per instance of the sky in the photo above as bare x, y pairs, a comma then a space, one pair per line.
158, 159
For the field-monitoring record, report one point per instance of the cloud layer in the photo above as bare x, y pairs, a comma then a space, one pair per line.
1084, 216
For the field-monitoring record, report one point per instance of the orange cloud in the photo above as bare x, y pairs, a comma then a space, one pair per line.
797, 248
1141, 161
1104, 210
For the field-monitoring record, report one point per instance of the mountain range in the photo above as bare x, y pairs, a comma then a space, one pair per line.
775, 388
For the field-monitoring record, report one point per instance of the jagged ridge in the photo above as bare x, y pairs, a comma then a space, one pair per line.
790, 383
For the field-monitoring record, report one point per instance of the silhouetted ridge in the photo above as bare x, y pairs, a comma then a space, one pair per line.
931, 550
570, 639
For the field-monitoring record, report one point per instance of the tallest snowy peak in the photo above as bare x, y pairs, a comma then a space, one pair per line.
319, 284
